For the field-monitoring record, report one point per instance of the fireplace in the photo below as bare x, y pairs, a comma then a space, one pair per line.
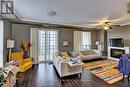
116, 53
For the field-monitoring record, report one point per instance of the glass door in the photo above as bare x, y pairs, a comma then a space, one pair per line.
47, 44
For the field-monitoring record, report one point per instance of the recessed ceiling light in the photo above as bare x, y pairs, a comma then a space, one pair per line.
51, 13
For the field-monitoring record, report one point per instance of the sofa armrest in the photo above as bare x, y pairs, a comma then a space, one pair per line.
98, 52
27, 60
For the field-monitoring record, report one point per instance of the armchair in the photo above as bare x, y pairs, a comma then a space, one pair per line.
24, 64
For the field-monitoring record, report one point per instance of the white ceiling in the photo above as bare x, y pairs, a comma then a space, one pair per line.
74, 12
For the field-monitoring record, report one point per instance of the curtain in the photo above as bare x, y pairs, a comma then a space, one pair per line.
77, 40
34, 42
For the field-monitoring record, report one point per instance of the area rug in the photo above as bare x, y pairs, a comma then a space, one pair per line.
105, 69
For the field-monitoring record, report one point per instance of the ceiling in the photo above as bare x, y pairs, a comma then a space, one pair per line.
73, 12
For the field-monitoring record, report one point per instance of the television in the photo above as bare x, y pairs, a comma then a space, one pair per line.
116, 42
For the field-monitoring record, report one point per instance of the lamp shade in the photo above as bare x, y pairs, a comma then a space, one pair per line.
65, 43
97, 43
10, 43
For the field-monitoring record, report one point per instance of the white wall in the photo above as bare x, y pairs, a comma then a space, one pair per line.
20, 32
122, 32
1, 43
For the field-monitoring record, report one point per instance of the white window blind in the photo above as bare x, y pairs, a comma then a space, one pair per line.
86, 38
82, 40
48, 44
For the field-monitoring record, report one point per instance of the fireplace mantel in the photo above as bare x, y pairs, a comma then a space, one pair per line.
126, 49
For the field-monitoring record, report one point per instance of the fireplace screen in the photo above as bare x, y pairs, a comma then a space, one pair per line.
116, 53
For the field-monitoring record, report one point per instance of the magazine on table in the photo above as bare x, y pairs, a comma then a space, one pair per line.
74, 61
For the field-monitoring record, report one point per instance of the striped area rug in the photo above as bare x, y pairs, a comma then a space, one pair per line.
105, 69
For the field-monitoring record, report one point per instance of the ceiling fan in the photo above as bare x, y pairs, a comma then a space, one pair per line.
107, 25
107, 22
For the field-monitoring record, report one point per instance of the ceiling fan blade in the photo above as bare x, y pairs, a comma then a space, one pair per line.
124, 17
115, 26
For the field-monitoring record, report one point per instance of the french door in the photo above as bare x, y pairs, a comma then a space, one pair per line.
47, 44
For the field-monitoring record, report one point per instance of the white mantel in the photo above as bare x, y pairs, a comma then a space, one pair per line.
127, 51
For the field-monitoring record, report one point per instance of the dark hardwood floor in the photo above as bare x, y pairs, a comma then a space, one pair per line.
44, 75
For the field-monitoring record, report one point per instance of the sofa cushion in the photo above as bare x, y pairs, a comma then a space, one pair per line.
25, 66
88, 52
79, 54
93, 56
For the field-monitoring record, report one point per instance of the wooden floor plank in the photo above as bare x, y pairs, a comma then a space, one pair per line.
44, 75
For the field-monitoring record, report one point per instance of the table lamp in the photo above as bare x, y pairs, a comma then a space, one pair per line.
65, 43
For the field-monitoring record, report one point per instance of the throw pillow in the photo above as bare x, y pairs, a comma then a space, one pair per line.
88, 52
79, 54
64, 54
73, 54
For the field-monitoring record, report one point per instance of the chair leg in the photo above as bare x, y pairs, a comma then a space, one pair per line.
123, 76
128, 77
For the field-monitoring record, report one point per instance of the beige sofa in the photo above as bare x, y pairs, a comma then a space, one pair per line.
63, 68
90, 54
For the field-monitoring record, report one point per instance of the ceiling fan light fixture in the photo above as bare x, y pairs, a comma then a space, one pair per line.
107, 26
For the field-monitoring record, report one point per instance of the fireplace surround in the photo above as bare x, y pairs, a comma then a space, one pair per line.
116, 53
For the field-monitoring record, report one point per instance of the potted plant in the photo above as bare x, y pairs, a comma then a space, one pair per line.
1, 76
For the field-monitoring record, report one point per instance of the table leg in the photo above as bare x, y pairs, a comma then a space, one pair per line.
79, 75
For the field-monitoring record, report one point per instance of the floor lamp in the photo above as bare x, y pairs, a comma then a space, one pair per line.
10, 45
97, 44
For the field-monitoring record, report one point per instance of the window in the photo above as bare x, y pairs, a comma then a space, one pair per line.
86, 40
82, 40
48, 44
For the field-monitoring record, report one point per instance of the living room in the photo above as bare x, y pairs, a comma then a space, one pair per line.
58, 44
